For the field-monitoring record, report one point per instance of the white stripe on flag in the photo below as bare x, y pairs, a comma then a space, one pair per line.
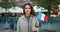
42, 17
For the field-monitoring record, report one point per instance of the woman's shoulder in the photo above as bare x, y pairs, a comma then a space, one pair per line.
21, 17
34, 17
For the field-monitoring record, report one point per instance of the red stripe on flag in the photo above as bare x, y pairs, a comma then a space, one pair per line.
45, 18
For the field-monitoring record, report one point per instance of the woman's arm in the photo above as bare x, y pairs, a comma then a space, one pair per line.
36, 26
18, 25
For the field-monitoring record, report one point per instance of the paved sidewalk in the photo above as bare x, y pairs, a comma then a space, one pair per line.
53, 26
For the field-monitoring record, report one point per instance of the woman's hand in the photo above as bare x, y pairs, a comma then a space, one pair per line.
33, 29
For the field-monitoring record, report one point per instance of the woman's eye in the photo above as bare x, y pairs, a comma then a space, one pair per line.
29, 8
25, 8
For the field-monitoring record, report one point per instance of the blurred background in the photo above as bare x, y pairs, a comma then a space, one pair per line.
11, 10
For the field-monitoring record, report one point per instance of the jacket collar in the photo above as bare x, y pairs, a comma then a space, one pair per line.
25, 17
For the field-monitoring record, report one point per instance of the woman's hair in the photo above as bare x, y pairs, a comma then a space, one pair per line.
32, 10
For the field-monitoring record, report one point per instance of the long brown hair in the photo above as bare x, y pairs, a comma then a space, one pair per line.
32, 10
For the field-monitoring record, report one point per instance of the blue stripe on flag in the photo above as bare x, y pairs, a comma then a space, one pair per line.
39, 15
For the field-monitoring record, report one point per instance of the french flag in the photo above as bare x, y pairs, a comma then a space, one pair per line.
42, 17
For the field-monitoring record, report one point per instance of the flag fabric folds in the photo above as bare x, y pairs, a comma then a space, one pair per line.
42, 17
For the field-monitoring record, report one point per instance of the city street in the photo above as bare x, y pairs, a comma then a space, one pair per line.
53, 26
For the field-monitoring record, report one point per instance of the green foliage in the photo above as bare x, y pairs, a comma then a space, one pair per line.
8, 4
47, 3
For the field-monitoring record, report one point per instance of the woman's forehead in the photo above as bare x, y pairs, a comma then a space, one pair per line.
27, 6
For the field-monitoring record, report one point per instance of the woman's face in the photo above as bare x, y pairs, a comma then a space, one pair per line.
27, 9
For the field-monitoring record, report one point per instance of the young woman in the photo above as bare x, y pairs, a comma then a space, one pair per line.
28, 22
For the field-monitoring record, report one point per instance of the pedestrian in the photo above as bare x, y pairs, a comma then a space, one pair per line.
28, 22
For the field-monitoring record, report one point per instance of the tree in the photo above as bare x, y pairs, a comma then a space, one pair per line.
48, 4
7, 4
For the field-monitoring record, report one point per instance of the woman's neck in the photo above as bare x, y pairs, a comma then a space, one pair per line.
27, 14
